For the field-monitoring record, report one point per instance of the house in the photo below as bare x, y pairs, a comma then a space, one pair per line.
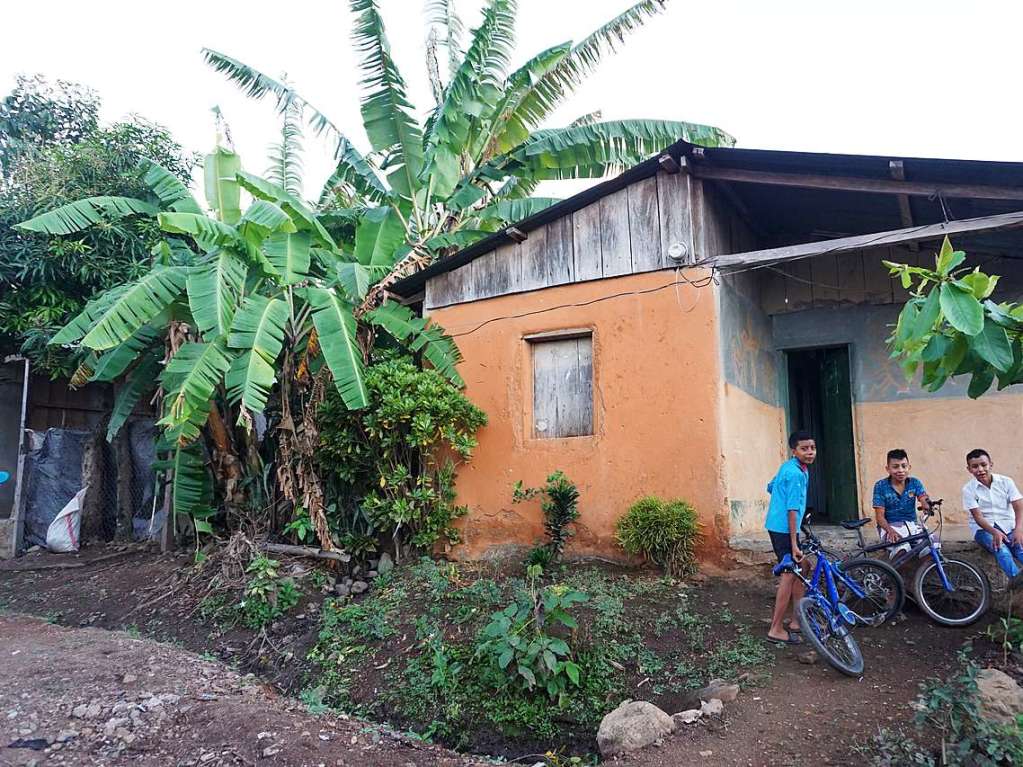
661, 333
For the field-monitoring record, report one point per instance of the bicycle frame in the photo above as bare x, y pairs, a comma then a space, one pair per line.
824, 570
918, 542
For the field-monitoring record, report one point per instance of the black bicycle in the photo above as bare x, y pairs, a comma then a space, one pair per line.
951, 592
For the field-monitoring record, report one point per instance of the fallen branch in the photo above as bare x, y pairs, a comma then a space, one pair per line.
304, 551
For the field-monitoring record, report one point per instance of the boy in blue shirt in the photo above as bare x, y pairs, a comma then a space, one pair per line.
896, 498
784, 515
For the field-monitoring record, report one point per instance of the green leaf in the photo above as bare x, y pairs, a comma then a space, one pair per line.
208, 233
81, 214
526, 673
202, 526
303, 217
505, 659
980, 382
438, 348
572, 670
262, 219
135, 306
962, 310
168, 188
214, 288
979, 284
84, 321
259, 329
935, 349
511, 211
930, 310
356, 279
336, 328
191, 378
992, 345
113, 363
141, 380
222, 190
191, 486
387, 115
949, 259
378, 236
289, 253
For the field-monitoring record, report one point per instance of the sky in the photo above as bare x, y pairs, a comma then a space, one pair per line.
900, 78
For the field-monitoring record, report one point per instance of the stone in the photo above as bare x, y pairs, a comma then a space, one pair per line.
342, 590
386, 564
359, 587
1000, 696
632, 726
270, 751
712, 707
687, 717
724, 691
129, 678
372, 574
809, 657
65, 735
348, 581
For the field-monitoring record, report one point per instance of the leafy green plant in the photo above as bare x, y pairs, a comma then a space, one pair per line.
950, 326
664, 532
267, 595
390, 466
518, 643
301, 526
560, 507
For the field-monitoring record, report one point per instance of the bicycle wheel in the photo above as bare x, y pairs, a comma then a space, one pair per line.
836, 646
967, 602
885, 593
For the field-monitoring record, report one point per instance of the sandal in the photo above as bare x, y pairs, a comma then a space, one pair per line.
792, 640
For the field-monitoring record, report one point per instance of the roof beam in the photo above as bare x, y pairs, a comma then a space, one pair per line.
856, 184
878, 239
897, 169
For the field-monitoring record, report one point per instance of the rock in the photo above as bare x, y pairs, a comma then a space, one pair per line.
632, 726
687, 717
348, 581
1000, 696
809, 657
129, 678
359, 587
373, 564
372, 574
65, 735
386, 564
342, 590
712, 707
270, 751
724, 691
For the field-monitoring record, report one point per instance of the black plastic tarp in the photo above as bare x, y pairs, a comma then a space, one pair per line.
53, 467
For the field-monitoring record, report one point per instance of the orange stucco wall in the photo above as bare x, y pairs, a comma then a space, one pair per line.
657, 400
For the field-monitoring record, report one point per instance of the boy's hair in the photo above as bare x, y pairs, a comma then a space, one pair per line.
898, 454
978, 453
798, 436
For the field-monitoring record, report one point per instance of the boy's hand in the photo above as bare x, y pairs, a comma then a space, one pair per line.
997, 539
1017, 536
797, 554
891, 534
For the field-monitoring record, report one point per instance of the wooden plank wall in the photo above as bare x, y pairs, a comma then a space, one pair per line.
830, 280
627, 232
563, 388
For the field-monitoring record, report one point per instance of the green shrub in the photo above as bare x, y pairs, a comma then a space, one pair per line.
560, 507
664, 532
267, 596
389, 467
519, 647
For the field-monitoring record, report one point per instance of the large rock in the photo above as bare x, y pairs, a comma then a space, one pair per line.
724, 691
632, 726
1000, 696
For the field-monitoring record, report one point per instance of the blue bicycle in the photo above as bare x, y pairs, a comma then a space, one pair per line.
840, 595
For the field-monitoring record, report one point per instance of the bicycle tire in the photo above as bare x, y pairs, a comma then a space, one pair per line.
886, 591
932, 598
811, 614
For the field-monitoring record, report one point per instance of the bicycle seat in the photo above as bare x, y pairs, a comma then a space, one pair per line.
786, 564
852, 524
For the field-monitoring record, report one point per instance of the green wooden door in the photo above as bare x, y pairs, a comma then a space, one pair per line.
837, 436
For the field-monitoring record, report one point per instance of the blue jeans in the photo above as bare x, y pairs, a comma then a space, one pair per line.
1004, 554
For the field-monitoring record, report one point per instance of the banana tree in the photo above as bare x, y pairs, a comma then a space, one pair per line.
235, 302
471, 168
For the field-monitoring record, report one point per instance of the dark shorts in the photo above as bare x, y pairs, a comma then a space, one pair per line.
782, 544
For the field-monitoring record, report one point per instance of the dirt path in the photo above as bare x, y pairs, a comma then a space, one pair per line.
66, 699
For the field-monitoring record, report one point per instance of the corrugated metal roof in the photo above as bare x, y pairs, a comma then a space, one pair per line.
789, 215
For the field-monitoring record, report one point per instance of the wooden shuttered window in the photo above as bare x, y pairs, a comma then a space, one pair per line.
562, 385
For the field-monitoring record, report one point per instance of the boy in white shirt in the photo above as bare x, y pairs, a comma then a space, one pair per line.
996, 510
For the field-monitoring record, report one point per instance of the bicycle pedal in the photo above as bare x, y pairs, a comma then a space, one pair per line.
848, 615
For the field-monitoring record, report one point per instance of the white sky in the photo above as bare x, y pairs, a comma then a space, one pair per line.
933, 78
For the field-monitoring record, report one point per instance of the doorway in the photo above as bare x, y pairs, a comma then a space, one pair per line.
820, 401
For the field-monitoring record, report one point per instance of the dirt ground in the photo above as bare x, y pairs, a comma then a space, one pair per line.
804, 712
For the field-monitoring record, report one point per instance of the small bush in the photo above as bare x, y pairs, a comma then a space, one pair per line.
560, 506
662, 531
267, 596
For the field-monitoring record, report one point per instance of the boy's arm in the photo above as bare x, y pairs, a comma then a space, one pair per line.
997, 536
797, 554
1017, 531
889, 531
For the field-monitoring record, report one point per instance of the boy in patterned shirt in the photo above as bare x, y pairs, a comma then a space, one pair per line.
896, 499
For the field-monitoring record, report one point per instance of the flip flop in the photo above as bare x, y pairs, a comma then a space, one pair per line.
792, 640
